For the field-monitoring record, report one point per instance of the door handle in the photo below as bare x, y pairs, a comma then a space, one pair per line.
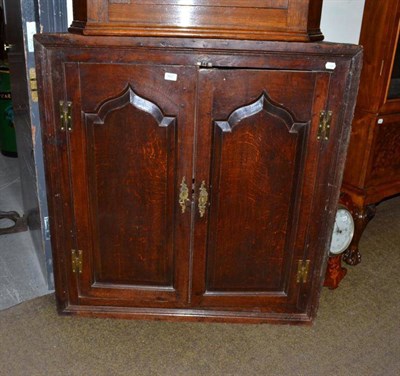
183, 195
203, 198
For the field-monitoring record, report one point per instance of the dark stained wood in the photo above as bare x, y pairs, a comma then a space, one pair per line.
295, 20
246, 124
385, 161
131, 153
372, 171
361, 215
141, 142
379, 37
334, 272
255, 165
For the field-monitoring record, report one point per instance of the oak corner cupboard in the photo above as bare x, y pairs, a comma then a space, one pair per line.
193, 179
292, 20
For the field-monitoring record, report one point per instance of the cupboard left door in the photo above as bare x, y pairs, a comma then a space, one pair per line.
129, 165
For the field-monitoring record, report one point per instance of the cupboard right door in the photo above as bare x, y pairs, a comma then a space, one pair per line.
256, 169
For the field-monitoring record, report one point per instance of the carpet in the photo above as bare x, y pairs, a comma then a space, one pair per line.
357, 331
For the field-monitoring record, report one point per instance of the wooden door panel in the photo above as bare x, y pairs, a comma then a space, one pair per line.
127, 160
132, 189
246, 243
263, 158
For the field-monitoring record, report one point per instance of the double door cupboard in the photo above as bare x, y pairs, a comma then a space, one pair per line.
193, 179
372, 171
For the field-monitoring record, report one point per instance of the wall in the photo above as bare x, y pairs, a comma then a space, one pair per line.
341, 20
69, 10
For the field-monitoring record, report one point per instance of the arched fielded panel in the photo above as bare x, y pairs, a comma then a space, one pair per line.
131, 153
249, 201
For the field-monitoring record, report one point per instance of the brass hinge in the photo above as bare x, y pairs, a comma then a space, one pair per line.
66, 116
33, 84
76, 257
302, 271
324, 127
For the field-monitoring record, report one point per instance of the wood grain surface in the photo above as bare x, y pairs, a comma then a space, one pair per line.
238, 119
296, 20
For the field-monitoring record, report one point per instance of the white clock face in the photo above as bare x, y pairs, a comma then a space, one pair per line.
343, 231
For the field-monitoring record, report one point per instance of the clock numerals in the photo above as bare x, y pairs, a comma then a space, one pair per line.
343, 231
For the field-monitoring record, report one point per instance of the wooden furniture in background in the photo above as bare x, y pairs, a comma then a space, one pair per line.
295, 20
334, 272
372, 170
193, 179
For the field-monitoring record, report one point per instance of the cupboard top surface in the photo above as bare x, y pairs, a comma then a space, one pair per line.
201, 45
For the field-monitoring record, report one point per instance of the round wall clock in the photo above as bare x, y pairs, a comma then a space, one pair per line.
343, 231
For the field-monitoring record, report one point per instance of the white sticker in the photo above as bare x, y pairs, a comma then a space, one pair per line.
170, 76
330, 65
380, 121
30, 32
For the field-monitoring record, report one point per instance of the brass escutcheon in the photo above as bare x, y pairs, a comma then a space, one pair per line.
183, 195
203, 199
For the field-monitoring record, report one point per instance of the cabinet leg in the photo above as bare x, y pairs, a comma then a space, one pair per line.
334, 272
361, 218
